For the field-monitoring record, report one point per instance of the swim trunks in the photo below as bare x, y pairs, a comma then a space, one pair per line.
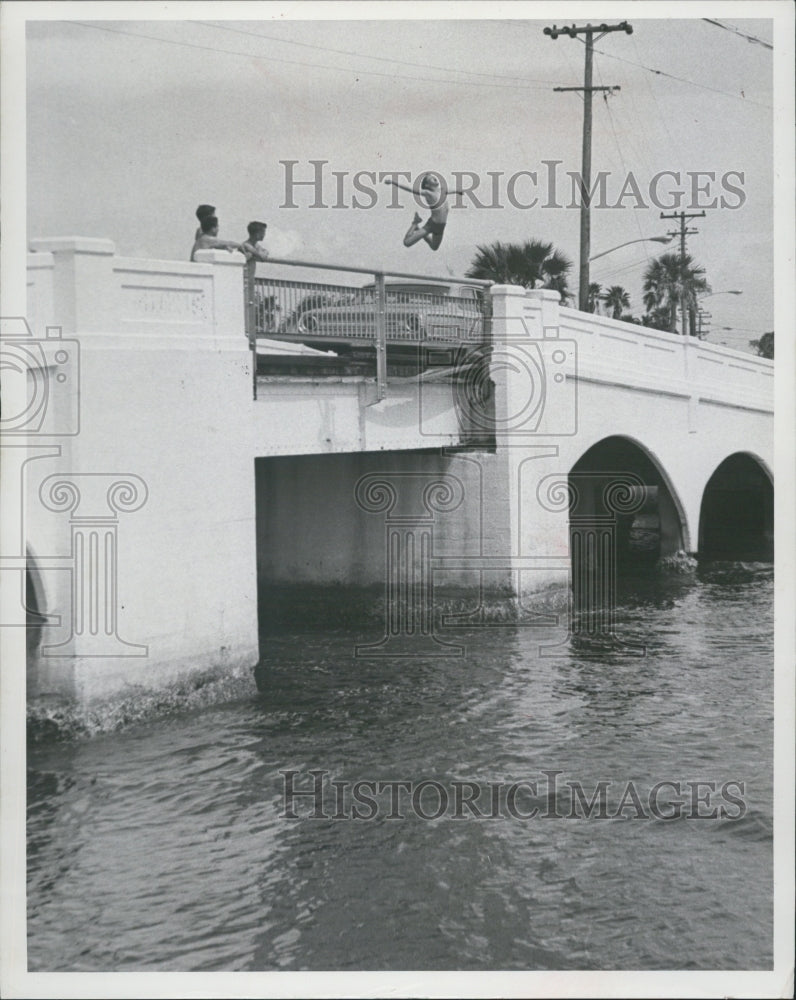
434, 228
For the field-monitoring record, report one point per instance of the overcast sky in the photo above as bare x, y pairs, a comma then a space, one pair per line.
127, 134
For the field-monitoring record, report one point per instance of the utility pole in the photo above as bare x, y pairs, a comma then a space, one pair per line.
589, 30
703, 323
682, 233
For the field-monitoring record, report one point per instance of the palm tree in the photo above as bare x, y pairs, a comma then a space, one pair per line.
669, 279
595, 296
658, 319
764, 346
617, 299
531, 264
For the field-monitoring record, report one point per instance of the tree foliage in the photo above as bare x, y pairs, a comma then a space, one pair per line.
595, 297
617, 300
668, 280
764, 346
532, 264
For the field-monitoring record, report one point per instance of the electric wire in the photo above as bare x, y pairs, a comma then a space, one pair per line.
366, 55
681, 79
619, 149
296, 62
629, 267
635, 131
406, 79
736, 31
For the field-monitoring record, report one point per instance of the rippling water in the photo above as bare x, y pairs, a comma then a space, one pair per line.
163, 848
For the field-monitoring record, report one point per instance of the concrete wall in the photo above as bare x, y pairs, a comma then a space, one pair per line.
313, 528
316, 416
160, 468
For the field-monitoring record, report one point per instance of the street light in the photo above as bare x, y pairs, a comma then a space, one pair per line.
644, 239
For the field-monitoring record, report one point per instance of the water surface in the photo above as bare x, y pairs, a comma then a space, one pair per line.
162, 847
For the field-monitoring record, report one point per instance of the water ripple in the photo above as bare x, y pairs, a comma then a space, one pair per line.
163, 847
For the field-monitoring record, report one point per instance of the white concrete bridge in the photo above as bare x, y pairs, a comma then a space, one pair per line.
159, 491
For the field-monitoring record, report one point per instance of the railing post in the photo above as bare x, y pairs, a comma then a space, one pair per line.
381, 337
486, 314
250, 312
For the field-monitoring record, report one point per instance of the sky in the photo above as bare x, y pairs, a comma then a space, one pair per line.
131, 124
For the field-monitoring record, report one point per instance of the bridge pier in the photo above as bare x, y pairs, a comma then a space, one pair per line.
141, 511
535, 413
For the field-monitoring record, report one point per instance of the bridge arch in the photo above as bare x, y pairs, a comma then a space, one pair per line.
736, 516
659, 524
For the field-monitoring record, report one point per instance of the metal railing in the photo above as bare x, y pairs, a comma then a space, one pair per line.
393, 308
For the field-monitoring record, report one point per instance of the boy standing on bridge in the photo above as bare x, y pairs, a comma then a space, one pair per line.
252, 247
208, 240
203, 212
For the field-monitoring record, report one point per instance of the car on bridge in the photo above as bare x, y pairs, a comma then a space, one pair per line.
415, 313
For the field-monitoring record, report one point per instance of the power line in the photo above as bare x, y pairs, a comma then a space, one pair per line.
619, 150
633, 129
366, 55
736, 31
629, 267
681, 79
661, 117
294, 62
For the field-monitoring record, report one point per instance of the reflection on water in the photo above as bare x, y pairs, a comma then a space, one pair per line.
163, 847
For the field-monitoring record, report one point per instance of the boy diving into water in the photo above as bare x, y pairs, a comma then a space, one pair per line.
435, 195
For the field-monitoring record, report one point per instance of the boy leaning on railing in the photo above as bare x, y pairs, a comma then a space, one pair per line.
252, 247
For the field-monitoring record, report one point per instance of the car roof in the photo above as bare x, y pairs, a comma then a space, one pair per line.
439, 288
